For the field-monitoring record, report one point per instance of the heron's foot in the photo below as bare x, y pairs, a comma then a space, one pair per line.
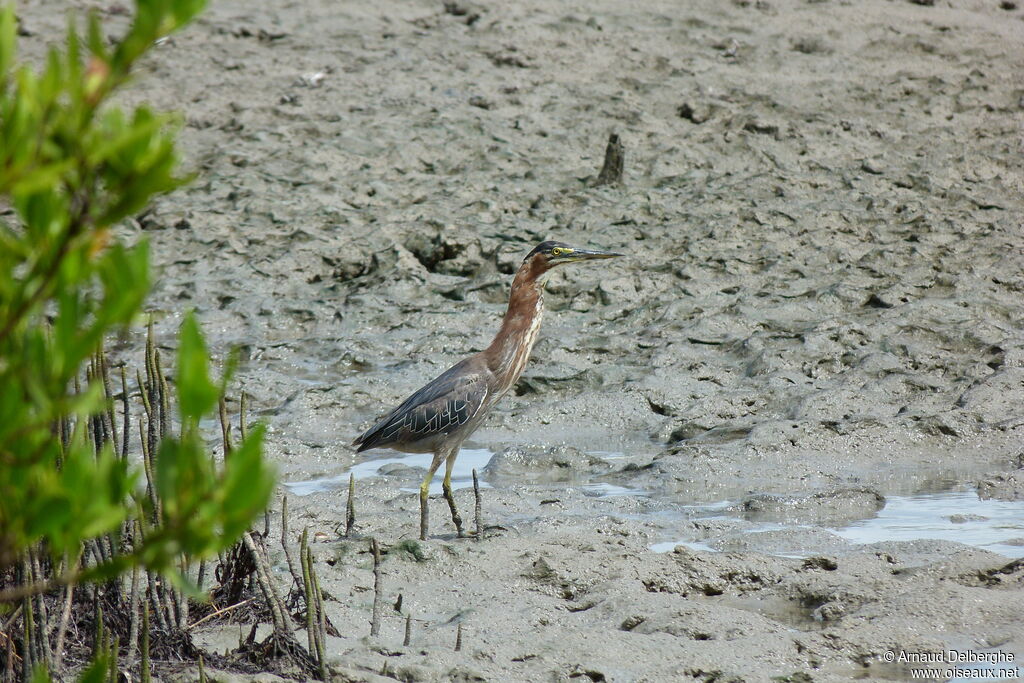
456, 518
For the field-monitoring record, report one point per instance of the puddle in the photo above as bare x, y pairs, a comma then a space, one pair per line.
955, 515
984, 524
462, 474
958, 515
775, 608
603, 490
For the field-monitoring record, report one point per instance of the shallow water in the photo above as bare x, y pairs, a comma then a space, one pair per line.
988, 524
603, 490
462, 474
952, 515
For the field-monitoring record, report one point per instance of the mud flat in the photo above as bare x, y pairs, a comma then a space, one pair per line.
820, 320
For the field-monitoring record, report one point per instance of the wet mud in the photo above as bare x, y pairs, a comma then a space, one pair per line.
820, 316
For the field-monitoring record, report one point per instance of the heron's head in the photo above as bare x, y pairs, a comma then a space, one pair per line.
550, 254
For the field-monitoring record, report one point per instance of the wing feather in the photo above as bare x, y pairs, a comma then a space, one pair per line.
439, 408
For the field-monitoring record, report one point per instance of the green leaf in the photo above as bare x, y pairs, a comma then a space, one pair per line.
248, 483
97, 670
8, 43
72, 164
197, 395
41, 675
125, 277
94, 37
183, 584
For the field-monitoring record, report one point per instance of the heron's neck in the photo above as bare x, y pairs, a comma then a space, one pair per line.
508, 353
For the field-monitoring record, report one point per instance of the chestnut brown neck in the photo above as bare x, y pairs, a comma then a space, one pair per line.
508, 353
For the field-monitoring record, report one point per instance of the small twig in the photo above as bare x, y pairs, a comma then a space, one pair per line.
243, 425
113, 652
11, 657
284, 541
164, 393
477, 507
225, 427
133, 626
151, 400
218, 612
283, 637
99, 635
125, 429
43, 634
321, 622
378, 593
180, 599
62, 628
145, 674
350, 508
153, 598
307, 584
101, 358
408, 630
201, 574
28, 624
167, 593
263, 575
458, 638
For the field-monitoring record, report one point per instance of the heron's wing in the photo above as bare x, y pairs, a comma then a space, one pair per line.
441, 407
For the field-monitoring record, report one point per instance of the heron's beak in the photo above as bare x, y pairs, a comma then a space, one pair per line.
590, 254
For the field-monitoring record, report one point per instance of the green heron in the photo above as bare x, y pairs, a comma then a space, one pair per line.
441, 415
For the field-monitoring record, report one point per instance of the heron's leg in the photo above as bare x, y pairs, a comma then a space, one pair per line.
447, 486
425, 491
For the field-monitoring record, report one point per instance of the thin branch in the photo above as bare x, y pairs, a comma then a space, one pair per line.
225, 427
284, 541
378, 597
62, 627
219, 612
125, 430
477, 512
350, 507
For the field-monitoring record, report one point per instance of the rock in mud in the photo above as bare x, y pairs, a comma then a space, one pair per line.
823, 508
1009, 486
560, 463
790, 542
964, 519
996, 399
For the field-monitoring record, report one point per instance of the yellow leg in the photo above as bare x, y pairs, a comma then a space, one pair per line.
447, 486
424, 491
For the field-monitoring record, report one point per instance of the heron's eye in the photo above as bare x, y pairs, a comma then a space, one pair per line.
557, 251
